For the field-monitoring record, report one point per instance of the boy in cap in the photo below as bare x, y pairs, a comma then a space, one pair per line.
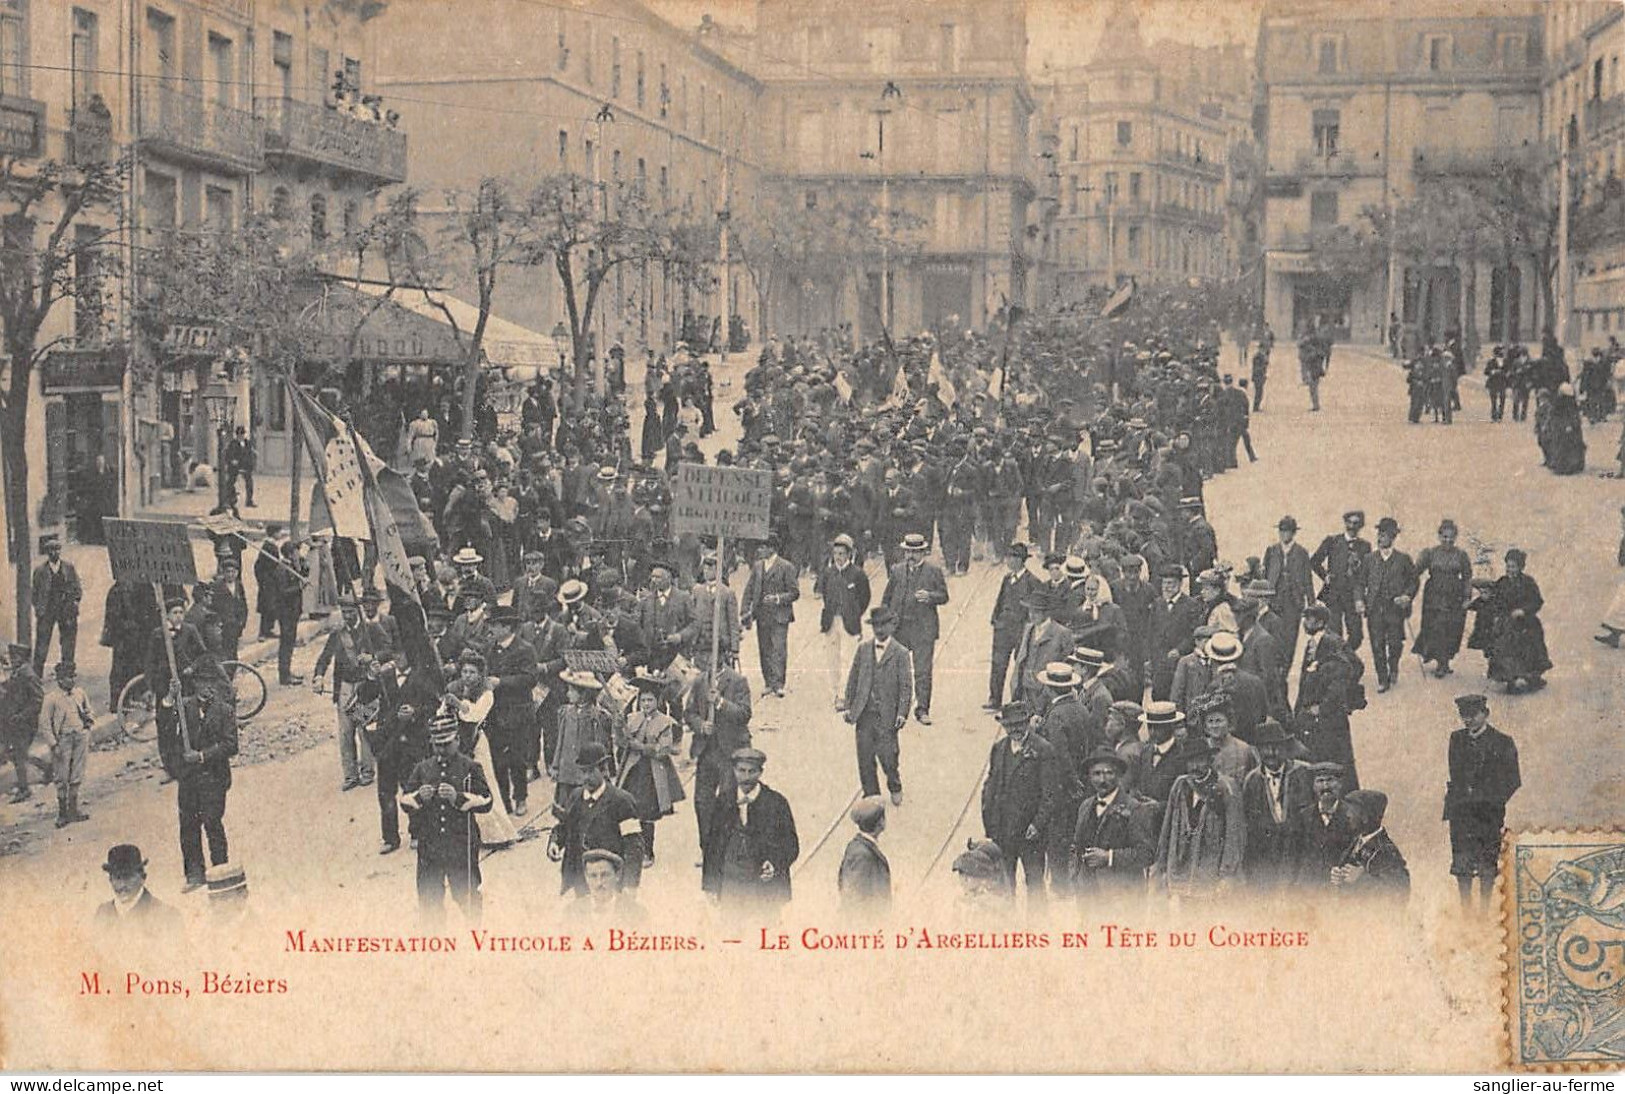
442, 795
1484, 776
864, 877
64, 726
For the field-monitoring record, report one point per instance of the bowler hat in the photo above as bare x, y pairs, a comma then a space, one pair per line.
1355, 515
1105, 756
1016, 550
591, 754
123, 860
1468, 704
65, 670
1369, 804
1269, 732
881, 616
1388, 526
1287, 523
1015, 714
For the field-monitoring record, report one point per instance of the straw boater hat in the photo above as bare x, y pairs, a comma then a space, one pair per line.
1058, 674
467, 556
577, 678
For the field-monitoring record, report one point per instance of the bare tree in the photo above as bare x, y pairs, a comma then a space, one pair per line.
52, 245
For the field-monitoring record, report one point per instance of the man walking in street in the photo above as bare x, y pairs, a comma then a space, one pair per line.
442, 795
844, 589
770, 593
1009, 621
915, 589
1484, 776
1384, 594
267, 585
238, 462
1022, 797
879, 688
197, 754
1339, 562
57, 593
864, 878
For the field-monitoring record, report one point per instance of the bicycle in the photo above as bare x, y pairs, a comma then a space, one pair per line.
136, 706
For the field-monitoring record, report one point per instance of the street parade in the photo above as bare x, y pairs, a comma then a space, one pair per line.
932, 519
1173, 715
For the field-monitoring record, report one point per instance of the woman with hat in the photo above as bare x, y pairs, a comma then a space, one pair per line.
581, 722
649, 742
1444, 600
1517, 652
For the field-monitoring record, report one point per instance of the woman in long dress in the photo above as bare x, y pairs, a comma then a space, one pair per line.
1517, 648
1449, 571
649, 775
504, 509
1566, 446
473, 699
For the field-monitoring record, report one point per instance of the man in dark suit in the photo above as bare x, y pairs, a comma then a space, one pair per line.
663, 612
915, 589
133, 909
1113, 841
1174, 619
1484, 775
399, 739
1338, 562
229, 608
1272, 794
57, 593
1009, 620
597, 816
238, 462
265, 578
879, 689
770, 591
1320, 715
751, 845
1021, 797
844, 588
1286, 568
512, 672
385, 630
1384, 594
1323, 829
1156, 766
1262, 657
441, 795
197, 755
864, 879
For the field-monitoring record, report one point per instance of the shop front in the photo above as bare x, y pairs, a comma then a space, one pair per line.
84, 439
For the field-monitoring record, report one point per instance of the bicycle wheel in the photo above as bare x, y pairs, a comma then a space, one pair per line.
136, 710
249, 687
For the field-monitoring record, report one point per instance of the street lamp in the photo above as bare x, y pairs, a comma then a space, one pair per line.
889, 94
561, 342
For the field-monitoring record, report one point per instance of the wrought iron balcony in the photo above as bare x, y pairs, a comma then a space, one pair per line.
184, 125
317, 133
1339, 163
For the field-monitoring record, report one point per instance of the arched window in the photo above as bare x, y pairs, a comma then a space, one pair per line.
318, 219
281, 203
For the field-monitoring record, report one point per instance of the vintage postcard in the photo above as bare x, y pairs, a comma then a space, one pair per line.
995, 536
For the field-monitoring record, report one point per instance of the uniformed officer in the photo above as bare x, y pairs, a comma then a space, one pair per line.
441, 796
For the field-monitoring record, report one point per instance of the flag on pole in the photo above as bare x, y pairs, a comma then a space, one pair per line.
936, 374
1119, 301
356, 485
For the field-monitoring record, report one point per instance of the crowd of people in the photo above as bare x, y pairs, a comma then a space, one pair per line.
575, 642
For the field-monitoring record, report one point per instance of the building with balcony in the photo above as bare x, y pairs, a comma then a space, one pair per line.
1583, 113
1358, 104
604, 89
1139, 164
921, 113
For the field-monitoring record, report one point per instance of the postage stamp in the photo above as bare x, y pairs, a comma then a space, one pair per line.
1564, 914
